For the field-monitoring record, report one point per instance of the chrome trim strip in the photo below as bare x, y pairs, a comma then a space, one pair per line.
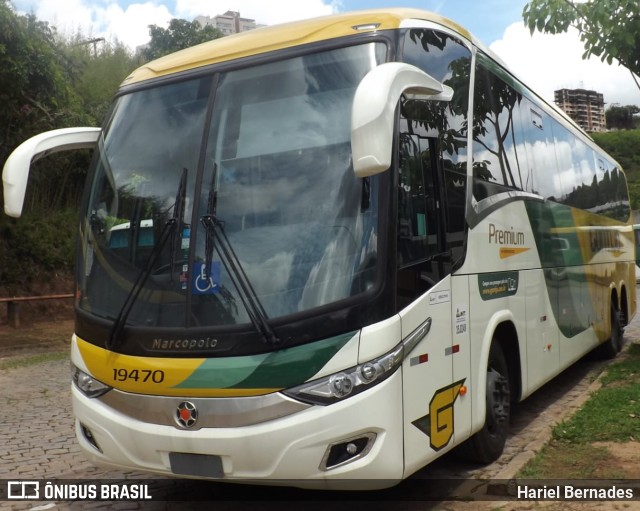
480, 210
415, 337
212, 412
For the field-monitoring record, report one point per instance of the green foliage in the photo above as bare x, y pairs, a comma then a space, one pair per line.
49, 82
613, 412
99, 69
179, 35
609, 29
621, 117
34, 92
37, 246
623, 146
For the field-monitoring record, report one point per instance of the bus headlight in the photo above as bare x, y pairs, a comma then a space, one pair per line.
349, 382
352, 381
87, 384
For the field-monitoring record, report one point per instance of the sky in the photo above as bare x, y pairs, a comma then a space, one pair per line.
544, 62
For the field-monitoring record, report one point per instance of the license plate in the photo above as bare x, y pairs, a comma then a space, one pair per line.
197, 465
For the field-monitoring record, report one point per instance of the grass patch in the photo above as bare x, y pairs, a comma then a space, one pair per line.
41, 358
560, 460
612, 414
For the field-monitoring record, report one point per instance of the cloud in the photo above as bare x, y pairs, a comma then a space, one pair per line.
131, 25
76, 15
108, 18
105, 18
268, 13
550, 62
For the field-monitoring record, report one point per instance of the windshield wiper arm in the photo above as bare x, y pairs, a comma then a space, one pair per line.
248, 296
212, 206
239, 278
168, 231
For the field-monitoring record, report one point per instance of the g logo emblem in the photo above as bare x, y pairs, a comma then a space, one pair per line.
439, 423
186, 415
441, 415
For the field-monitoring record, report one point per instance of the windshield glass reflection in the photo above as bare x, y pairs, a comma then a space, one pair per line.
302, 226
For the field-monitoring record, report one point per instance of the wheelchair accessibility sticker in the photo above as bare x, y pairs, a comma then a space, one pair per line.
203, 284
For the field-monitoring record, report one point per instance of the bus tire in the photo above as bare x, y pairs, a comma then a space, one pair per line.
487, 444
610, 348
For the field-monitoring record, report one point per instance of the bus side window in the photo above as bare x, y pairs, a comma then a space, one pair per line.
420, 217
498, 163
417, 222
433, 161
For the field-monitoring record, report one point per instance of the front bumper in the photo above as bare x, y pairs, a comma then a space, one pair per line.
284, 451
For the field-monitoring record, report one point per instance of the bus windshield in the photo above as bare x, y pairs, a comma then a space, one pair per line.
264, 151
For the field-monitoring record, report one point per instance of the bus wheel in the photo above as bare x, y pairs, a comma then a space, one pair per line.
613, 346
487, 444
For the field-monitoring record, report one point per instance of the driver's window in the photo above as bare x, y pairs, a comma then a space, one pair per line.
419, 230
417, 224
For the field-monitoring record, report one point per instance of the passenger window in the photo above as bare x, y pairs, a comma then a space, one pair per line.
499, 161
543, 178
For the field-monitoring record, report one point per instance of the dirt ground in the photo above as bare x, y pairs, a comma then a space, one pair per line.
36, 336
39, 311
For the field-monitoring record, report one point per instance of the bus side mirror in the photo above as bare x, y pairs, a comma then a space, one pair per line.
16, 169
373, 111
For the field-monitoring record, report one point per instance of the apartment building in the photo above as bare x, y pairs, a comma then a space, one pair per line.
228, 23
586, 107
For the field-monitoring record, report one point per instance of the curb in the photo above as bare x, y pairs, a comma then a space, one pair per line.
506, 479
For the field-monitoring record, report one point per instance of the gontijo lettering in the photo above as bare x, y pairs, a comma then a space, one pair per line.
505, 237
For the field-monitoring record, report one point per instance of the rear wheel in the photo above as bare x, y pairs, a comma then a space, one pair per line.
613, 346
487, 444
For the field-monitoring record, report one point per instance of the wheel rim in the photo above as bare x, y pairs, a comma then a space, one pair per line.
616, 329
498, 401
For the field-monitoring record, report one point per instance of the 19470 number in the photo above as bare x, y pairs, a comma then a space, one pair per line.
143, 375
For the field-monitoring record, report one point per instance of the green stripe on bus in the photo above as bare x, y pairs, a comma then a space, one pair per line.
280, 369
565, 241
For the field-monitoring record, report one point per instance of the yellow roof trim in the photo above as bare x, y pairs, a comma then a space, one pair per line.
278, 37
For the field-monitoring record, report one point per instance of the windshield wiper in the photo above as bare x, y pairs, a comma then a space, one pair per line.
215, 232
169, 230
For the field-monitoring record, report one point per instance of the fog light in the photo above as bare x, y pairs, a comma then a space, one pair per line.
347, 451
86, 432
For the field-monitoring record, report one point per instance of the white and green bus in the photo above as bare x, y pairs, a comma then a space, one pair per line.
330, 251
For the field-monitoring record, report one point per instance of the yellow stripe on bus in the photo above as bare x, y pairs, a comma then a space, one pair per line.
279, 37
152, 375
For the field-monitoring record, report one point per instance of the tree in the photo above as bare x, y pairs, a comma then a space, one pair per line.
180, 34
609, 29
49, 82
621, 117
34, 92
97, 72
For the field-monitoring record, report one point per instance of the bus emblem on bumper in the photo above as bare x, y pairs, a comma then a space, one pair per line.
186, 415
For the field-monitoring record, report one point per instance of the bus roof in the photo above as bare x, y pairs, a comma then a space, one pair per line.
282, 36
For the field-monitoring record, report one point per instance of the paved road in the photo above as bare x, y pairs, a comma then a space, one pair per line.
38, 442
